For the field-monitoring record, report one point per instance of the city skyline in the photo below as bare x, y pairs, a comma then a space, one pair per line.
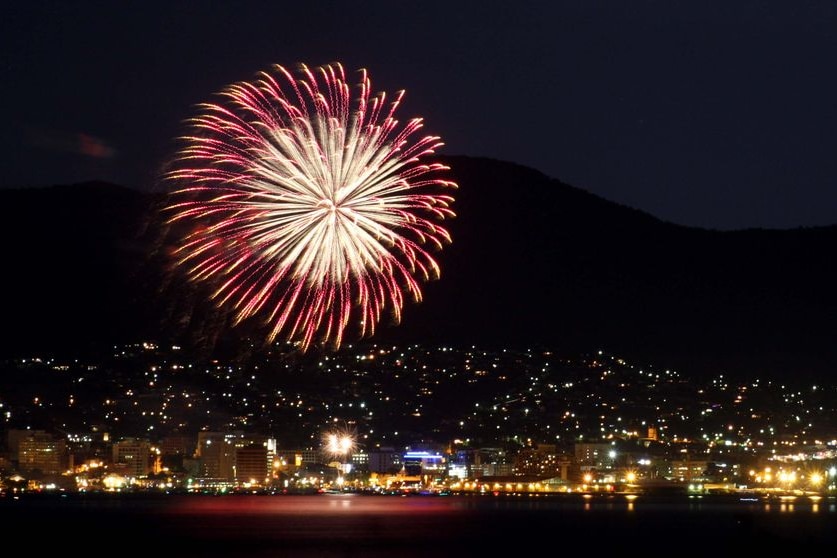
411, 395
588, 420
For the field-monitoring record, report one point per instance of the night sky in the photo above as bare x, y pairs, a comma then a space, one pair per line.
712, 114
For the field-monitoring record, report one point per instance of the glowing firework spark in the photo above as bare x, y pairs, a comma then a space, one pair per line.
305, 211
338, 444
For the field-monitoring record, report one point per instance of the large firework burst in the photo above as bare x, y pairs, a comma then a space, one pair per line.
306, 207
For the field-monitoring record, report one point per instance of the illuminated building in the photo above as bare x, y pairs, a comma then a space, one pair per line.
216, 452
423, 463
13, 438
690, 470
488, 461
39, 451
177, 445
384, 460
297, 457
134, 454
252, 464
288, 458
594, 455
544, 459
360, 462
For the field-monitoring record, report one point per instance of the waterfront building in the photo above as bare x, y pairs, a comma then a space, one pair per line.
216, 453
252, 464
360, 462
594, 455
177, 445
543, 459
420, 463
134, 455
39, 451
385, 460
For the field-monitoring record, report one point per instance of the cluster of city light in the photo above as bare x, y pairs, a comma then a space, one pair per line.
480, 486
788, 479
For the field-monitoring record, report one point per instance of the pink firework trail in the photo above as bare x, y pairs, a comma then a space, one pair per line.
306, 210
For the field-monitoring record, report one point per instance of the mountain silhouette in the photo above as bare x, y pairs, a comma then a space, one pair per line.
534, 262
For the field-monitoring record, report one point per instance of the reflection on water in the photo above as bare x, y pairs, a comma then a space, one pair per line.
411, 526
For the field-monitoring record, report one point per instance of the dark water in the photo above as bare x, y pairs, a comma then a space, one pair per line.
337, 525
